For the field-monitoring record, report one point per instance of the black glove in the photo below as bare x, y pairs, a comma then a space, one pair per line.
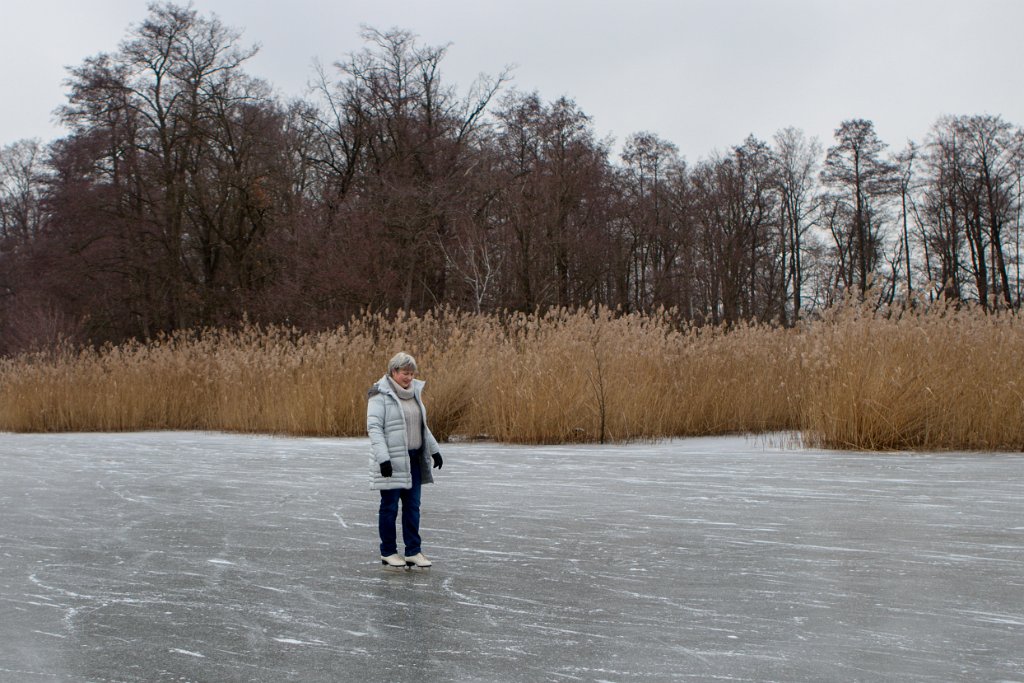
438, 460
385, 469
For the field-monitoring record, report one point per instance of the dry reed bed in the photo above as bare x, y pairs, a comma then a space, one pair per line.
936, 380
940, 380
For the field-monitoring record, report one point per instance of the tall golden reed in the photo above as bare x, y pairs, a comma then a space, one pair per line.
939, 379
923, 380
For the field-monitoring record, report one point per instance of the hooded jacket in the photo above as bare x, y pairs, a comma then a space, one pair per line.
385, 424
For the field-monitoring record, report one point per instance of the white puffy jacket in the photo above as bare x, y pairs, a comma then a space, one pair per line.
385, 423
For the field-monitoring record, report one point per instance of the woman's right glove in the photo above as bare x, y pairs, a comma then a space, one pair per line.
385, 469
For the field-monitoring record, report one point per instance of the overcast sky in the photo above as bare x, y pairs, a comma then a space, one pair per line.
702, 74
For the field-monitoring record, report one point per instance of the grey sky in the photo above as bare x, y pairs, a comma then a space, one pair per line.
702, 74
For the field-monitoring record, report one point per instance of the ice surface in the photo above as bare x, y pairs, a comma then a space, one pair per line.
215, 557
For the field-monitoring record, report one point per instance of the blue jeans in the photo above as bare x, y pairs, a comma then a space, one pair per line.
410, 513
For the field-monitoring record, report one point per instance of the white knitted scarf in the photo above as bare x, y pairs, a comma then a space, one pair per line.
413, 418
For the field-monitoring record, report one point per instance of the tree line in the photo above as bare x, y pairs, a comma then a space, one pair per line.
187, 194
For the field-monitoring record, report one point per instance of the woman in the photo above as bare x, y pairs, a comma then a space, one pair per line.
401, 450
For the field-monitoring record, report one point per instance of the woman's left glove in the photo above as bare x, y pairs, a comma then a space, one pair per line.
438, 460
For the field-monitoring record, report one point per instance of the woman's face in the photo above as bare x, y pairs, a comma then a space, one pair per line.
403, 377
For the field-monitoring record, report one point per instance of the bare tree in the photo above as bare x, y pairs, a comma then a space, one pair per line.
798, 160
21, 210
862, 179
553, 194
23, 306
166, 118
738, 221
905, 161
974, 199
655, 188
411, 138
993, 151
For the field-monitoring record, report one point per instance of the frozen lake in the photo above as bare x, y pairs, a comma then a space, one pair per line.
215, 557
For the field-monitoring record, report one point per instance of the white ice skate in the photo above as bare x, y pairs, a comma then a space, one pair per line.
394, 560
418, 560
